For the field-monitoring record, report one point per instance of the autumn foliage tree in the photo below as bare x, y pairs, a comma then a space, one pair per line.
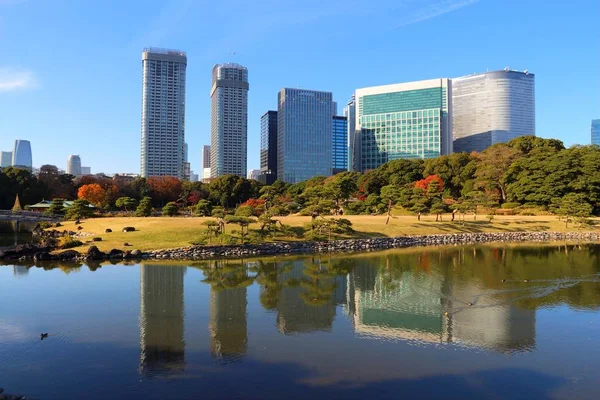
93, 192
426, 184
165, 188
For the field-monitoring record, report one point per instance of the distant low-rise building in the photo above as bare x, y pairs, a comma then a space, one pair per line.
253, 174
86, 170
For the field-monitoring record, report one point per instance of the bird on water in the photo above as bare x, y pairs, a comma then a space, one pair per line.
43, 336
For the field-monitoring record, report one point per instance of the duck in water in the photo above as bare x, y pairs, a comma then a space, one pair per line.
43, 336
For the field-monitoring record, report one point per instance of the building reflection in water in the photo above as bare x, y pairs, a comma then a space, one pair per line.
20, 270
162, 345
228, 314
409, 305
308, 297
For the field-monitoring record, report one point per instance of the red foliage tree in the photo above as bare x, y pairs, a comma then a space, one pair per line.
423, 184
258, 205
165, 188
93, 192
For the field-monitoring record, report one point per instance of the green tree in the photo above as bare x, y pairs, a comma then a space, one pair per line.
144, 209
57, 207
390, 194
493, 166
243, 223
573, 206
126, 203
438, 208
170, 209
244, 211
342, 186
79, 209
203, 208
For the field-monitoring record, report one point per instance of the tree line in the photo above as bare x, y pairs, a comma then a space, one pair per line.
526, 173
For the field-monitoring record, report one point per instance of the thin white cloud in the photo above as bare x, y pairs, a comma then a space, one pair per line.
434, 9
13, 79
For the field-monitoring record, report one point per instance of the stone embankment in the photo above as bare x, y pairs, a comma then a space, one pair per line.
31, 252
362, 245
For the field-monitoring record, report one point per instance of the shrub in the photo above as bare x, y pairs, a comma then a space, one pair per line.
170, 209
203, 208
218, 212
79, 209
67, 242
244, 211
144, 209
490, 218
510, 205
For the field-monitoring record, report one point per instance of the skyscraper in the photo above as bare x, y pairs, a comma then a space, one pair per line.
339, 145
405, 120
303, 134
205, 173
74, 165
5, 159
596, 132
162, 345
21, 155
163, 112
353, 148
493, 107
268, 148
229, 125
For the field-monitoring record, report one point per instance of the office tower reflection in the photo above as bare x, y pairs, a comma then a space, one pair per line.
162, 346
20, 270
228, 315
395, 304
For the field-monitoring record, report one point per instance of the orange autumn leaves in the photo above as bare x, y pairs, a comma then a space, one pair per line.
93, 192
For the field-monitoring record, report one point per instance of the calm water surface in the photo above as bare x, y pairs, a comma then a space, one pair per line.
351, 327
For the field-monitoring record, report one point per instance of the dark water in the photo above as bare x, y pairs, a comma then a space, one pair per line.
349, 327
13, 233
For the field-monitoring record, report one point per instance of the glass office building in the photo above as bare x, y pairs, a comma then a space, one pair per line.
21, 155
268, 148
406, 120
74, 165
229, 124
5, 159
303, 134
596, 132
339, 145
163, 112
493, 107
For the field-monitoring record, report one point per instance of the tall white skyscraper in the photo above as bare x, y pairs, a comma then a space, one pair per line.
492, 107
229, 125
21, 155
163, 112
74, 165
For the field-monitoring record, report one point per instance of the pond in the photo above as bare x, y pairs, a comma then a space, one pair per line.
13, 233
496, 321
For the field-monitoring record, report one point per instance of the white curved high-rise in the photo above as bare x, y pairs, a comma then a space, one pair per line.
21, 156
74, 165
229, 125
492, 107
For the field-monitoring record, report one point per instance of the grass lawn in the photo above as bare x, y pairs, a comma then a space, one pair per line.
155, 233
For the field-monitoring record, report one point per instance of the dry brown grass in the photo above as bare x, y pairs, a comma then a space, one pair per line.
163, 232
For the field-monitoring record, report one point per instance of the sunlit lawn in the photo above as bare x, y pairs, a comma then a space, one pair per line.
164, 232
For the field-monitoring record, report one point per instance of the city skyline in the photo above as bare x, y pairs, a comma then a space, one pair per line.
40, 94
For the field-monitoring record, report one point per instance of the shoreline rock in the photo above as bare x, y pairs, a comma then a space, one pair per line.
294, 248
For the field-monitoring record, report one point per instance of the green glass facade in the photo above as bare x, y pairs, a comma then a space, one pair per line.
402, 124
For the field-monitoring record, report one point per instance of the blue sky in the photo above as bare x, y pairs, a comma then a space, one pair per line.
70, 70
